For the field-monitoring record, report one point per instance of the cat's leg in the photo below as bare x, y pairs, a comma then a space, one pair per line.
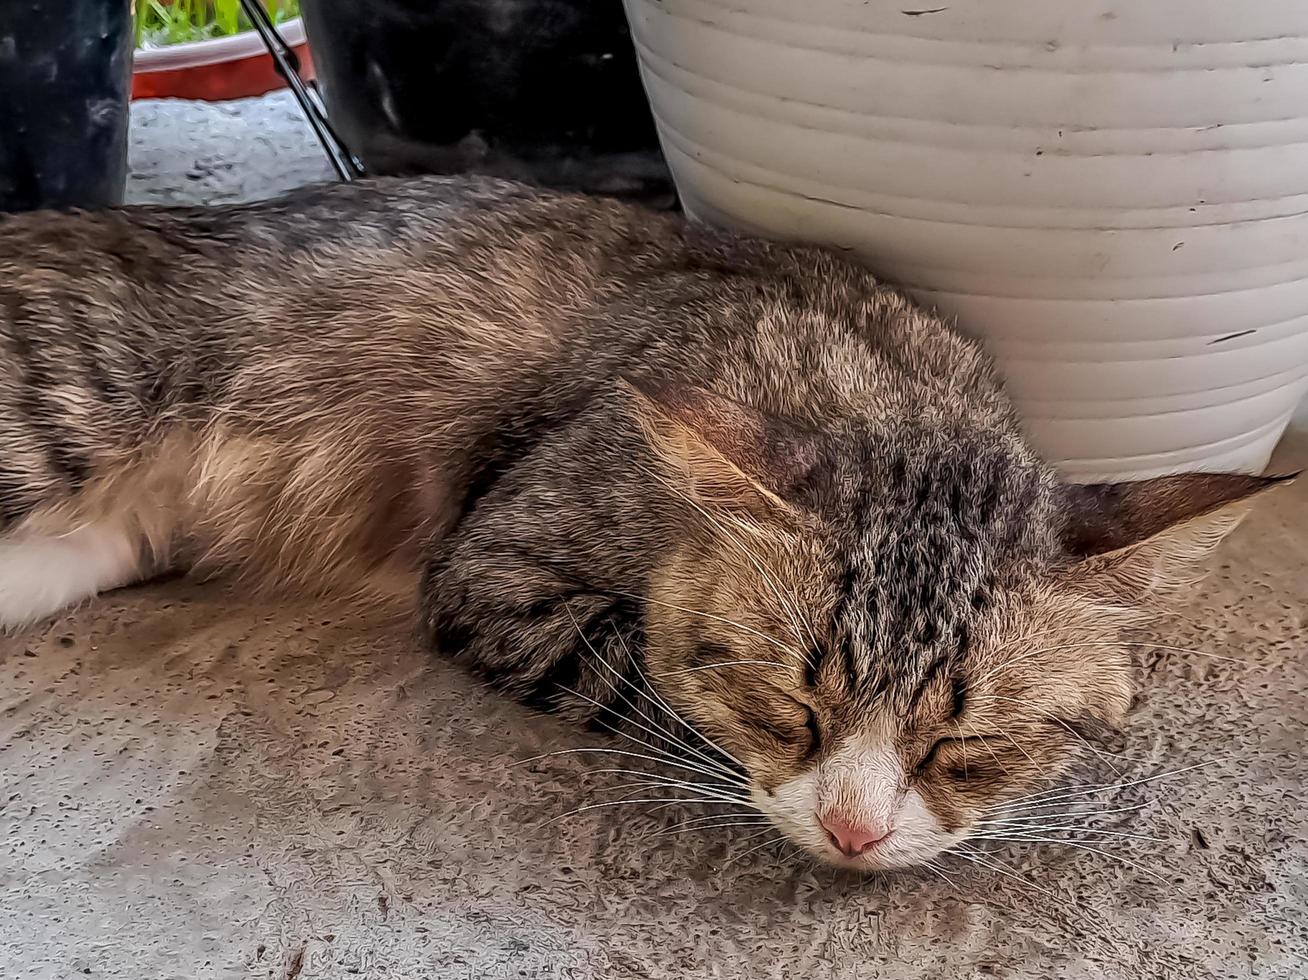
117, 529
537, 588
526, 596
543, 636
43, 573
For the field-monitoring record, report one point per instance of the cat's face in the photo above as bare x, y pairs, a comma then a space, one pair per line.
893, 644
862, 754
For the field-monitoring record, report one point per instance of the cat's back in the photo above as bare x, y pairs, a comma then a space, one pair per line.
566, 283
135, 240
325, 265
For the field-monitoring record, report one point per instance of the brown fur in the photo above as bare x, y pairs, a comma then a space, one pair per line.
637, 465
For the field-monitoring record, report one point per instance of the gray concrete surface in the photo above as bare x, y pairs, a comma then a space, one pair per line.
217, 153
195, 786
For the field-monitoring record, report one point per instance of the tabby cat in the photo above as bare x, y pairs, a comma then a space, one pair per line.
612, 460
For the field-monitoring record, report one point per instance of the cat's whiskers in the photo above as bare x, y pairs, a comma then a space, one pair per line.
1017, 821
1002, 830
625, 802
1080, 845
727, 825
1100, 755
975, 857
715, 791
660, 751
714, 821
1075, 910
653, 781
661, 730
1059, 794
703, 792
779, 838
790, 605
1189, 651
1044, 774
746, 840
940, 873
665, 760
713, 618
729, 663
658, 699
712, 785
662, 754
1029, 814
627, 735
1101, 644
723, 787
706, 818
962, 742
1071, 907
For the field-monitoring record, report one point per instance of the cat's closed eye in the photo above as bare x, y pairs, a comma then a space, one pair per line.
960, 745
796, 727
812, 730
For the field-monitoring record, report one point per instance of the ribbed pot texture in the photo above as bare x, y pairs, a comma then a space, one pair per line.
1114, 195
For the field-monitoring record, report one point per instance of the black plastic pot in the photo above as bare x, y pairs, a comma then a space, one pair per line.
540, 90
65, 85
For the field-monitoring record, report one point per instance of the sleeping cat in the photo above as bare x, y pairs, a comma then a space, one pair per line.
616, 462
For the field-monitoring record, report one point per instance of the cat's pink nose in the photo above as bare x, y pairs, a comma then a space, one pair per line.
851, 838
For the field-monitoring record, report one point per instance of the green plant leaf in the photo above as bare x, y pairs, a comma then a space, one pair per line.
162, 22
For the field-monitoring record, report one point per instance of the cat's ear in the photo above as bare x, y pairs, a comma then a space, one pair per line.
724, 452
1151, 536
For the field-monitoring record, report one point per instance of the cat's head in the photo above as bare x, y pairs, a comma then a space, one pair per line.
896, 630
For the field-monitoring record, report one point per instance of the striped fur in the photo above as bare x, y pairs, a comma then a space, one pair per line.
609, 455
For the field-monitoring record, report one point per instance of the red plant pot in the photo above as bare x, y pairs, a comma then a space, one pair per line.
214, 71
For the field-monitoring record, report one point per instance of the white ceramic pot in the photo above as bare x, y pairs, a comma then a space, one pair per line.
1114, 194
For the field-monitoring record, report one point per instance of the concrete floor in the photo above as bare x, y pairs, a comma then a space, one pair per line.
196, 786
220, 153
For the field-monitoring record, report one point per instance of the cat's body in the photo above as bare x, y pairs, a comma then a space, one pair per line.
306, 392
600, 438
256, 341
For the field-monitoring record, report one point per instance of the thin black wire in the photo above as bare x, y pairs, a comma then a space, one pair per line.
346, 164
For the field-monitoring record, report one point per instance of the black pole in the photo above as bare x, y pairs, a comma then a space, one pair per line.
65, 89
287, 63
